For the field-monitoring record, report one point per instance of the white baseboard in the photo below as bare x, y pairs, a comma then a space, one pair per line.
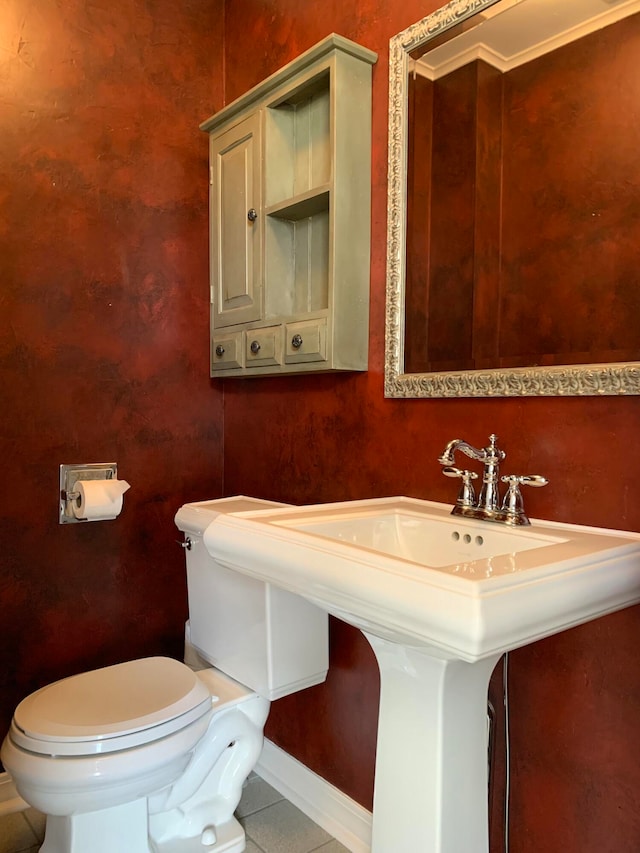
10, 800
334, 811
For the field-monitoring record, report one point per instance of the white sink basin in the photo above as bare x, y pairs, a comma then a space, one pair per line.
439, 598
409, 571
436, 542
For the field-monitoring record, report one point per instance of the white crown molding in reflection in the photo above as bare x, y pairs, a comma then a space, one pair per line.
578, 380
525, 34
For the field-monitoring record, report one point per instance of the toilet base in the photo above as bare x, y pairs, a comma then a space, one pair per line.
229, 838
118, 828
124, 828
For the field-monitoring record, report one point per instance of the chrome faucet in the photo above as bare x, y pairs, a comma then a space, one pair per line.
487, 506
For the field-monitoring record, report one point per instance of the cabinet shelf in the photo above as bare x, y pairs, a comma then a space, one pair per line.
301, 206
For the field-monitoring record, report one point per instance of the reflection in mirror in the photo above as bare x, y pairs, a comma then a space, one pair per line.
514, 200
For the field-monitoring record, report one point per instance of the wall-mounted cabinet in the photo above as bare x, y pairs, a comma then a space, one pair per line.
290, 218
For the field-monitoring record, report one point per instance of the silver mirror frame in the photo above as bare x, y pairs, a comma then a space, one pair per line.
574, 380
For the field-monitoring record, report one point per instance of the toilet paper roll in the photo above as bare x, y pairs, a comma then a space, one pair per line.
99, 500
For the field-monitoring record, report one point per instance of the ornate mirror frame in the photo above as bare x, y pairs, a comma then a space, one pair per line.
574, 380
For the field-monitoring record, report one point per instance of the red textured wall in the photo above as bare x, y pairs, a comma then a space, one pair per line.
575, 698
103, 336
103, 354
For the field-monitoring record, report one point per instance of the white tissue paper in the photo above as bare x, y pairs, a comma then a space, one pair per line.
99, 500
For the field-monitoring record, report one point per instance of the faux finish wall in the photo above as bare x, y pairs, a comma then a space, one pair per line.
103, 336
103, 270
575, 698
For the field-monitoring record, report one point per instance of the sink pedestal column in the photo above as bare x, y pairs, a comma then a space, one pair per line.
431, 763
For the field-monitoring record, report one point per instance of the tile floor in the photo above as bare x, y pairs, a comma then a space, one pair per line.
272, 824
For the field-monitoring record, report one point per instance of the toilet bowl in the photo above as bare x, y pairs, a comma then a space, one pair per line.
155, 764
149, 756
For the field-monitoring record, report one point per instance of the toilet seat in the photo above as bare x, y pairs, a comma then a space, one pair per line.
110, 709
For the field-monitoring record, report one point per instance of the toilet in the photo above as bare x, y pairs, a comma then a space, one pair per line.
150, 755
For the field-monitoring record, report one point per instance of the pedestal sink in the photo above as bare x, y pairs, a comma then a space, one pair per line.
439, 598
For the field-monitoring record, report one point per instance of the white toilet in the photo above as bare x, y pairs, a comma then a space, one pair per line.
150, 756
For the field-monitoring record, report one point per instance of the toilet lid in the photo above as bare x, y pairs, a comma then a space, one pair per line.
112, 702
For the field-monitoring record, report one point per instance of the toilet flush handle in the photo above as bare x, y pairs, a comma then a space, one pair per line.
186, 543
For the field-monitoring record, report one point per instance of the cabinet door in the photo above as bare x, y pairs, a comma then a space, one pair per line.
236, 224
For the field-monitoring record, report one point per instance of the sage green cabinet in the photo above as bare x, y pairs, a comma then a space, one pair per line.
290, 211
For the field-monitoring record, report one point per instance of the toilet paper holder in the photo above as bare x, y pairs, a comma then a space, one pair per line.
69, 476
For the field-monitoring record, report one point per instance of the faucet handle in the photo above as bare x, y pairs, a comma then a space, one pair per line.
533, 480
467, 495
524, 480
512, 504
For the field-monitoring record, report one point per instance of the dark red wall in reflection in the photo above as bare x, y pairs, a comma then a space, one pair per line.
532, 216
575, 698
103, 337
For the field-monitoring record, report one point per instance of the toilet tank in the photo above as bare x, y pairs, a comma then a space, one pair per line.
270, 640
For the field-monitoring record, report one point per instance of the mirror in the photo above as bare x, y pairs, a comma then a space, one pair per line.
513, 265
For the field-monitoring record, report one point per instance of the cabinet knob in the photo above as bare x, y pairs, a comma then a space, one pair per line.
252, 214
255, 347
296, 341
219, 350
